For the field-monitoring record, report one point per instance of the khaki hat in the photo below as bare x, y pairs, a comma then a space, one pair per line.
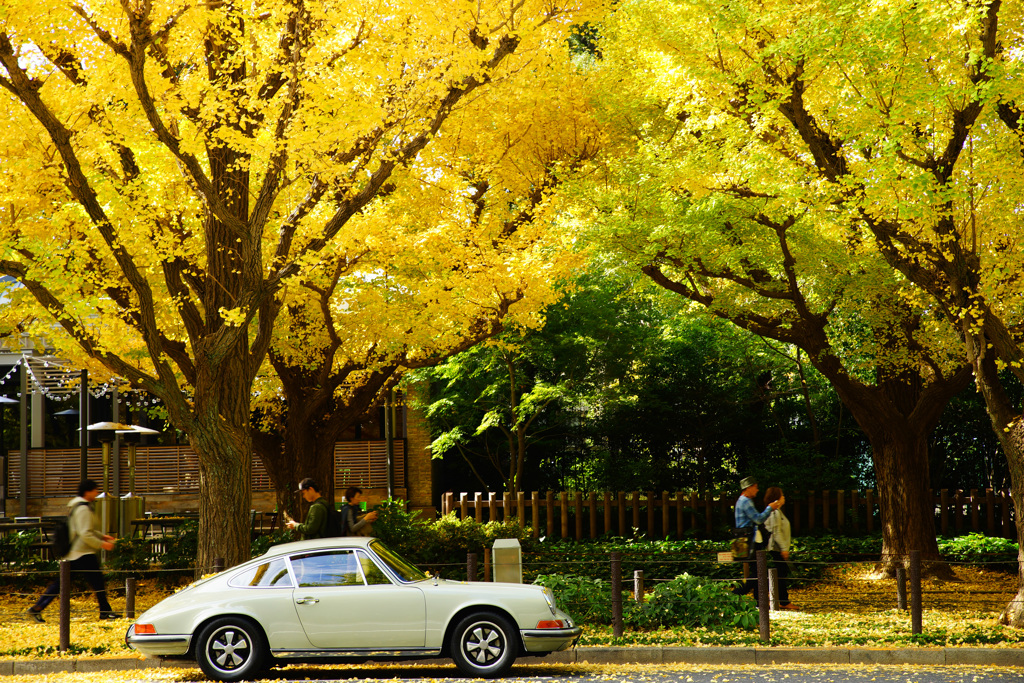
747, 482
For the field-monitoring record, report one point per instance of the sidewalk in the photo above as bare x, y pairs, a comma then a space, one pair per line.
938, 656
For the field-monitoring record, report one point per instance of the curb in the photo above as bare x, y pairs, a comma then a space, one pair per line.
766, 656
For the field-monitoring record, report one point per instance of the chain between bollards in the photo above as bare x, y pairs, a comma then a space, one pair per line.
616, 562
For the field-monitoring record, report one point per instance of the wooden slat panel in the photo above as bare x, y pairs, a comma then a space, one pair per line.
364, 464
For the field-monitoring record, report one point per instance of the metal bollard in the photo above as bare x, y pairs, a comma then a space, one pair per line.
470, 566
218, 565
638, 585
915, 591
901, 588
64, 626
129, 597
762, 596
616, 562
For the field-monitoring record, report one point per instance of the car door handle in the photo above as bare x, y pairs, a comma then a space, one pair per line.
307, 601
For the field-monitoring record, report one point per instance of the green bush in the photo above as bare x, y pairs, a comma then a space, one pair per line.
584, 599
683, 601
977, 548
130, 556
182, 547
692, 601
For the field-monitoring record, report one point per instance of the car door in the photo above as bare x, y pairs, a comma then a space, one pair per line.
345, 601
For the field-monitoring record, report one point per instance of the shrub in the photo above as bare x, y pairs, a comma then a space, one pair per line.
130, 555
977, 548
685, 600
584, 599
692, 601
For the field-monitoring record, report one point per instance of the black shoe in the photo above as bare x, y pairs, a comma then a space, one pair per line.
110, 615
34, 615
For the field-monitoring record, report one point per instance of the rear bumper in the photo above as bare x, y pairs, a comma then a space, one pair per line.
158, 645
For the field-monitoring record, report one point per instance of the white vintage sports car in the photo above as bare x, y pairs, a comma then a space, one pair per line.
347, 599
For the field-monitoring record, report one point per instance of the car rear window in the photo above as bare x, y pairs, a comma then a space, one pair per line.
273, 574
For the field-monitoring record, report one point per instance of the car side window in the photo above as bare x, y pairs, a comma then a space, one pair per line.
371, 572
273, 574
335, 568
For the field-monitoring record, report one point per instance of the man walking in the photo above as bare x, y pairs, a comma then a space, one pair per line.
86, 542
751, 521
316, 517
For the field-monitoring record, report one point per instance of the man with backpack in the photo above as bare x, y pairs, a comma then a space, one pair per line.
321, 518
86, 541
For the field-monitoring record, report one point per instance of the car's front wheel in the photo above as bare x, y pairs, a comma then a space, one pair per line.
231, 649
484, 645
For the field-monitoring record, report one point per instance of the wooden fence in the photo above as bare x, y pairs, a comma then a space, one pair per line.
589, 515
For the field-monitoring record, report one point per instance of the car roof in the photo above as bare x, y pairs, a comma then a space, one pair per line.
318, 544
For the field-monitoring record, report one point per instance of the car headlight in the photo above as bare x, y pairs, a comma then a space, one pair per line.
549, 597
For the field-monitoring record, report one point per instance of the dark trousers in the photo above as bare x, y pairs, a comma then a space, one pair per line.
783, 568
751, 583
86, 567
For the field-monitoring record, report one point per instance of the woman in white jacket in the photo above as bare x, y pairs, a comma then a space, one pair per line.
778, 544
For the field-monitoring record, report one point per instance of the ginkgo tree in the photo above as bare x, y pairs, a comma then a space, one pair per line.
716, 198
168, 170
892, 128
469, 249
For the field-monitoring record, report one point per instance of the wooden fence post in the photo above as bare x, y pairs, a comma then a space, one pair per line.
869, 504
840, 510
620, 500
549, 499
577, 498
607, 512
535, 503
592, 514
664, 514
462, 505
990, 510
810, 510
492, 506
638, 585
563, 501
636, 512
855, 520
650, 515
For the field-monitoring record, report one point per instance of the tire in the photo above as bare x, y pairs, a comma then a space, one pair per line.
231, 649
484, 645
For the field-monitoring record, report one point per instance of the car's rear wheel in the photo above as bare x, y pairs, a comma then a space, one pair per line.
484, 644
231, 649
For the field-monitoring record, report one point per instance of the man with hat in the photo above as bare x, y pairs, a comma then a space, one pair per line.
316, 518
750, 520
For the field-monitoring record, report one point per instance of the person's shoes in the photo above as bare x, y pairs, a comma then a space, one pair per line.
789, 606
110, 615
34, 615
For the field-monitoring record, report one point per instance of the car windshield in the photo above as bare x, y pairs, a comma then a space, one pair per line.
397, 564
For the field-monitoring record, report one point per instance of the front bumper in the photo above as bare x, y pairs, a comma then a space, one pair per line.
550, 639
157, 645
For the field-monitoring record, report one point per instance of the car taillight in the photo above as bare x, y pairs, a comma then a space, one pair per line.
551, 623
145, 628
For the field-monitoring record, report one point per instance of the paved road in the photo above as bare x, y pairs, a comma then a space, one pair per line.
662, 673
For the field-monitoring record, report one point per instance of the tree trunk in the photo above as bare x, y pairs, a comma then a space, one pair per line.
898, 415
225, 495
900, 458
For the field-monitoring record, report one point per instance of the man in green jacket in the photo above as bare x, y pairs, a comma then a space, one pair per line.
316, 517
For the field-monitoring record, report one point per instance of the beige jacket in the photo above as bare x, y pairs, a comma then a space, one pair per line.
84, 528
